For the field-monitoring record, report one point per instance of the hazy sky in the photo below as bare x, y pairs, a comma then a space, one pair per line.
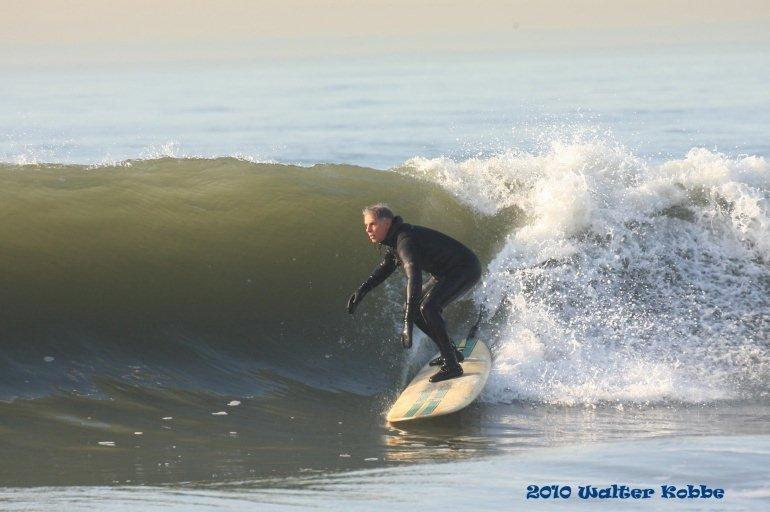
137, 30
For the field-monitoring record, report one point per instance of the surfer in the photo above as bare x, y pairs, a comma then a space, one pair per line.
453, 267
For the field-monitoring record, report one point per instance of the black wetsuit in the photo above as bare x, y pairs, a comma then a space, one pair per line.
453, 267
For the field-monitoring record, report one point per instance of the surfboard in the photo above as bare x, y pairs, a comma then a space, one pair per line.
424, 399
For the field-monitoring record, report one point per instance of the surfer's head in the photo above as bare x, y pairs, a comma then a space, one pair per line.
377, 220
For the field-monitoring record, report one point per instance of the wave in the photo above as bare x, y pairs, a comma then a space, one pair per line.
607, 279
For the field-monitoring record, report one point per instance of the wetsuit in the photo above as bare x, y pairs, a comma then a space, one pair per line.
453, 267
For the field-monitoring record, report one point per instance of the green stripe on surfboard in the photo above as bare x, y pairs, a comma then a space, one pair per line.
441, 393
418, 404
467, 347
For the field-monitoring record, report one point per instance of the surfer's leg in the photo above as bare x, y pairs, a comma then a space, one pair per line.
433, 303
422, 324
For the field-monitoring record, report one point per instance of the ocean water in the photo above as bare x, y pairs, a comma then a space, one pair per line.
380, 111
179, 242
494, 483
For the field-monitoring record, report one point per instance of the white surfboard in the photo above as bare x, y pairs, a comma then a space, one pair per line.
424, 399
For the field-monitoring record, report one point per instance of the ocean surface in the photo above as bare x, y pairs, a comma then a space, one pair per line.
178, 242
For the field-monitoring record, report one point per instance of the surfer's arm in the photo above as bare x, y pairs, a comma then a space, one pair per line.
381, 272
406, 253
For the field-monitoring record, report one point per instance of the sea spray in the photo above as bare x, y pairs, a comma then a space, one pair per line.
630, 281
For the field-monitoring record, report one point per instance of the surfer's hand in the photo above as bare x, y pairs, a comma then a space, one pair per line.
356, 298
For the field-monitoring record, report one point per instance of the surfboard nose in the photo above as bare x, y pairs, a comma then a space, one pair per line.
424, 399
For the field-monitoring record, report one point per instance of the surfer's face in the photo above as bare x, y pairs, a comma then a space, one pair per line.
376, 229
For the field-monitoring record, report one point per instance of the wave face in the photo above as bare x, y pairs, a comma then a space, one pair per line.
202, 274
628, 282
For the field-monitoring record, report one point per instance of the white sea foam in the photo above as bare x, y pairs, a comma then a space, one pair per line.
629, 281
25, 159
169, 149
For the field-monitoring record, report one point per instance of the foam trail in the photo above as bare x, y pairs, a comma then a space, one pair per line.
629, 282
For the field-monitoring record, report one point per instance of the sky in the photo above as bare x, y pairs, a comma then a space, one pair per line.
92, 31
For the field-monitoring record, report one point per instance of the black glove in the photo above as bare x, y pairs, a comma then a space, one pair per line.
406, 334
357, 297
